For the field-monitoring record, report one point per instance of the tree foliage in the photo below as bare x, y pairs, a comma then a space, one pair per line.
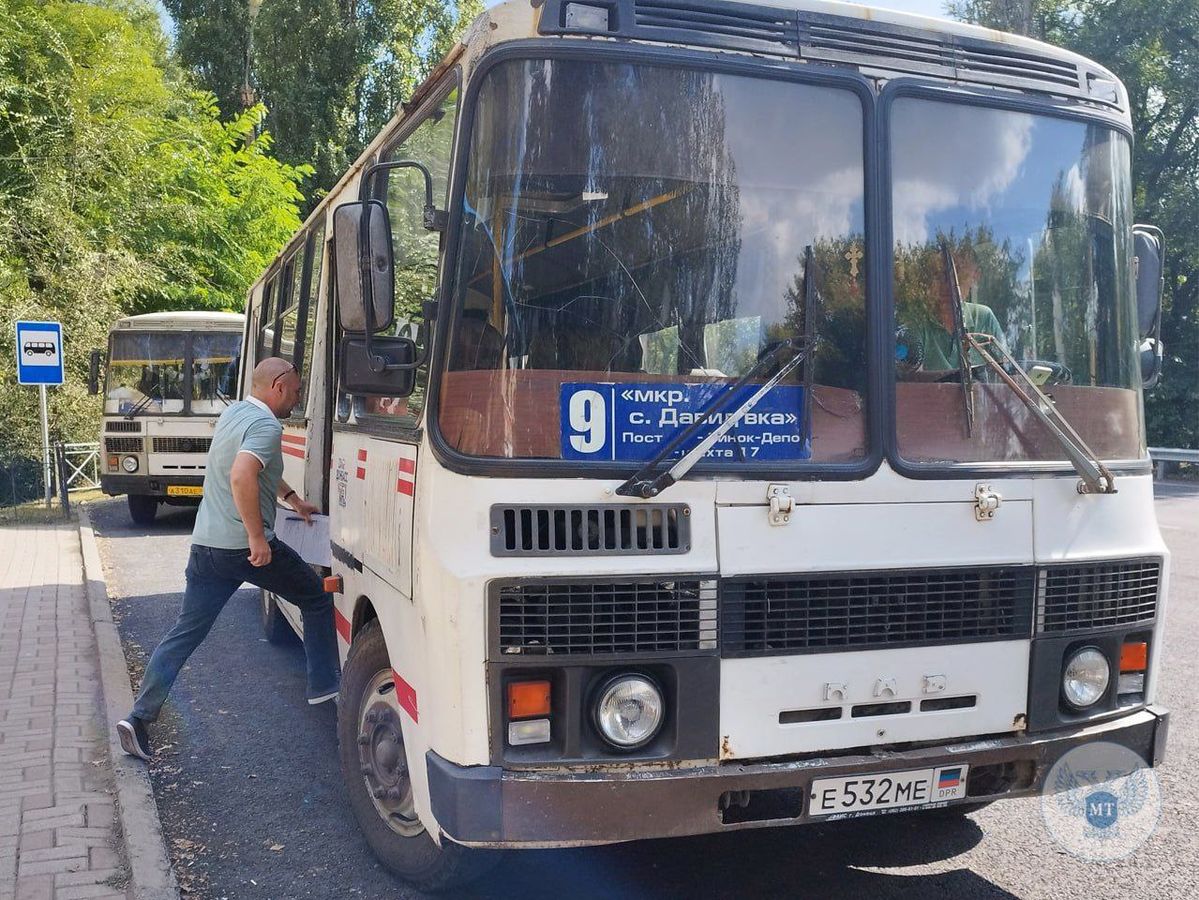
331, 72
121, 190
1153, 47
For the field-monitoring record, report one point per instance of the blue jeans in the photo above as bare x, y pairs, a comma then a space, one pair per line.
213, 575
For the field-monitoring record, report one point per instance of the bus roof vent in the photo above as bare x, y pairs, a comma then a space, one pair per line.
601, 530
873, 46
898, 49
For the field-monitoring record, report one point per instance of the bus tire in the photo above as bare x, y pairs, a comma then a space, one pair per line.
142, 509
275, 626
377, 765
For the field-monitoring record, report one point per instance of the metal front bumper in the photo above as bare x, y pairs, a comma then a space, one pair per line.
491, 806
151, 485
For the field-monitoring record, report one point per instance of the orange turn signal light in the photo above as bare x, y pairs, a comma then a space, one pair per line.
114, 461
528, 698
332, 584
1134, 657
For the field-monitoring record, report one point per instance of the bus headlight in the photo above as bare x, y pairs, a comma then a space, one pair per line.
129, 464
1086, 677
629, 711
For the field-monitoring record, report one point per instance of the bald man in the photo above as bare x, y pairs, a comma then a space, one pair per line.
234, 542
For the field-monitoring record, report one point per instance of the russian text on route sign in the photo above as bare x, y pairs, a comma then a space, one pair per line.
39, 353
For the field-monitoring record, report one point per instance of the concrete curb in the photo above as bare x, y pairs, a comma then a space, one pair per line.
151, 875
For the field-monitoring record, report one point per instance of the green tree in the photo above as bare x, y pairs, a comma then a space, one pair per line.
121, 191
331, 72
1153, 47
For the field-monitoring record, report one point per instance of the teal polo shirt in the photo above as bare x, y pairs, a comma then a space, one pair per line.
247, 426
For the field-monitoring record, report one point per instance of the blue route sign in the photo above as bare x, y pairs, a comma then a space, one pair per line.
39, 353
633, 421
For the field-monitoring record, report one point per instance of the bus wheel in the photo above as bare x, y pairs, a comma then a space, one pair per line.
373, 764
274, 626
142, 509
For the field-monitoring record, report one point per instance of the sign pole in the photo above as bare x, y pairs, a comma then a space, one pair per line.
41, 389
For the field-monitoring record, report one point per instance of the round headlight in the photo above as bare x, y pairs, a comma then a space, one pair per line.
629, 711
1086, 678
129, 464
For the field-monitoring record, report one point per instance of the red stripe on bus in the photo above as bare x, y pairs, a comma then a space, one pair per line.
407, 465
294, 451
360, 473
295, 439
342, 623
405, 695
361, 456
405, 487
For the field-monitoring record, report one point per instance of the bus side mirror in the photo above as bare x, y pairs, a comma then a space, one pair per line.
1149, 247
364, 267
93, 372
361, 374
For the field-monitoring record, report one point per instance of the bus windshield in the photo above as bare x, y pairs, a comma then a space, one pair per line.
1035, 213
145, 372
635, 237
148, 372
214, 371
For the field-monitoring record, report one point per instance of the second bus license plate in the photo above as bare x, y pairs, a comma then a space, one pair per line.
890, 790
185, 490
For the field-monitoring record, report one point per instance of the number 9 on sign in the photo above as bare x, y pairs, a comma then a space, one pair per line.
588, 421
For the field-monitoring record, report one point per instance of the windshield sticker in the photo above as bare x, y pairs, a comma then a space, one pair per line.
633, 421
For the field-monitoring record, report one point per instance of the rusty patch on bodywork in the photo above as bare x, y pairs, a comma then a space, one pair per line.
1020, 723
726, 749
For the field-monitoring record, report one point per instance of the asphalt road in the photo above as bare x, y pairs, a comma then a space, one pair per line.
252, 805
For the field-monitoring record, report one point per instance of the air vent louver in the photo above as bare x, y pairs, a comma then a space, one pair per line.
604, 530
642, 617
123, 445
181, 444
123, 427
778, 615
1097, 595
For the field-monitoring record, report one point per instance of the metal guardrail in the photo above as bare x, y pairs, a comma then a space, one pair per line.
1163, 455
83, 466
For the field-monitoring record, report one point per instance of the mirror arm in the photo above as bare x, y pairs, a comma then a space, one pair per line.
432, 218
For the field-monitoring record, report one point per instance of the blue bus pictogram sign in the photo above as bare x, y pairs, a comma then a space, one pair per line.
39, 353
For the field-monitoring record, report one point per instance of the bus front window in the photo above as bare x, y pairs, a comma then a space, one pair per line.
145, 373
1036, 214
215, 358
635, 237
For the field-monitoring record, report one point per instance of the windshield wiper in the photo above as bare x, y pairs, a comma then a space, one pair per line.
965, 376
1096, 477
642, 483
142, 404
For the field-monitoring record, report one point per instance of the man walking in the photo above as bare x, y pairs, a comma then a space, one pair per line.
234, 542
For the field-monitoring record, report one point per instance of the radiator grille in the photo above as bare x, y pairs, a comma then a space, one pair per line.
181, 444
608, 530
123, 445
643, 617
1098, 595
863, 610
123, 427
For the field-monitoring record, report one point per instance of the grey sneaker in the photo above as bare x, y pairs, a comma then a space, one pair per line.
135, 737
324, 696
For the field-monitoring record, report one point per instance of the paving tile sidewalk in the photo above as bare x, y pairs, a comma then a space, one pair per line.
58, 837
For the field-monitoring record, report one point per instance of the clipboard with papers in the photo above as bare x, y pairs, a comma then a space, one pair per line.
311, 542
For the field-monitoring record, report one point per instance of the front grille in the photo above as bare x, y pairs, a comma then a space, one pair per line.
1097, 595
181, 444
123, 445
604, 530
123, 427
776, 615
643, 617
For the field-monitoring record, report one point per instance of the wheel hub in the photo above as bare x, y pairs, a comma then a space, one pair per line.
381, 754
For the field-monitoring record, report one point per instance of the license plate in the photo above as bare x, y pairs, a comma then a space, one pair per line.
890, 790
185, 490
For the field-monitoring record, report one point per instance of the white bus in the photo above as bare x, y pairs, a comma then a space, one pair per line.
166, 379
728, 415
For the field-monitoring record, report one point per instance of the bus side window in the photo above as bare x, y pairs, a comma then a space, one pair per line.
266, 324
315, 250
415, 249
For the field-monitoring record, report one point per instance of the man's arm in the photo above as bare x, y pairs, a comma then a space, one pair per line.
291, 497
243, 482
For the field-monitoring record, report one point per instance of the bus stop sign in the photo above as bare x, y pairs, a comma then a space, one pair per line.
39, 353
